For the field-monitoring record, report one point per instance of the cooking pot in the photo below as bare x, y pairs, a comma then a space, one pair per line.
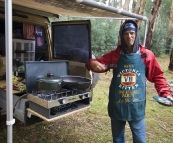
49, 82
75, 82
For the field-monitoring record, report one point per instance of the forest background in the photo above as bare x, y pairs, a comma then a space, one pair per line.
160, 25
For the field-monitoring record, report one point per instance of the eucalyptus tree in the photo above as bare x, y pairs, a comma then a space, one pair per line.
138, 7
170, 30
161, 29
152, 23
127, 5
169, 38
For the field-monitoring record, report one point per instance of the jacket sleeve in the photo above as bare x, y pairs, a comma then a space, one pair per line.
156, 75
107, 59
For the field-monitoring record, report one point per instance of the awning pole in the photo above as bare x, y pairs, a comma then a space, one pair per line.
9, 94
145, 32
103, 6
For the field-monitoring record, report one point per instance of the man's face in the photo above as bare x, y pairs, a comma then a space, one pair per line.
129, 37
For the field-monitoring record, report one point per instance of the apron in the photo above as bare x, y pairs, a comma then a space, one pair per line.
127, 92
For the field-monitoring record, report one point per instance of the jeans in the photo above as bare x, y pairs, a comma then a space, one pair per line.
137, 127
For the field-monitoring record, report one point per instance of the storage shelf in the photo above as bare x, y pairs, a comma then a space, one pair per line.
25, 50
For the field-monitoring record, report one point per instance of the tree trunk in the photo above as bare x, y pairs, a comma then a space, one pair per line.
168, 44
170, 31
151, 27
120, 7
120, 4
139, 8
126, 5
171, 61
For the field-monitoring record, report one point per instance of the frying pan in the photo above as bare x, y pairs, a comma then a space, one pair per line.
75, 82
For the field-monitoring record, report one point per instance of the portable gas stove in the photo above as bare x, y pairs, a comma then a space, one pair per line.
53, 103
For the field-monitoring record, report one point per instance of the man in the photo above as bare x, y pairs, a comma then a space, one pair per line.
132, 63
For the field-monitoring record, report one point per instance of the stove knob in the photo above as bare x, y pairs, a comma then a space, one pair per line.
61, 101
86, 95
81, 96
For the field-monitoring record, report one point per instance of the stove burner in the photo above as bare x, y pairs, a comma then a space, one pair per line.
54, 95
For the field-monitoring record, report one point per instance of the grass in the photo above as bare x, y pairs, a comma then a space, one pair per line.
93, 124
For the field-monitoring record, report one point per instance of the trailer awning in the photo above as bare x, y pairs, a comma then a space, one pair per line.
81, 8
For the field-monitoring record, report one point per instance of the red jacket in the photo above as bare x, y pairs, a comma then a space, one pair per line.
154, 72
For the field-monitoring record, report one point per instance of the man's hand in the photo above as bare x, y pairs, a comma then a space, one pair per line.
98, 67
170, 97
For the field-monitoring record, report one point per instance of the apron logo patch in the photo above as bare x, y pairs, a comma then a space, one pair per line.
128, 79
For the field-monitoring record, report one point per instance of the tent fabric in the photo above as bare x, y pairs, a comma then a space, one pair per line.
82, 8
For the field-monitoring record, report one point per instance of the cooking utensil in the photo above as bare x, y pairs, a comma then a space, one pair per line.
163, 100
49, 82
75, 82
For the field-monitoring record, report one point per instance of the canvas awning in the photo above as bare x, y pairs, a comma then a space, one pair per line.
81, 8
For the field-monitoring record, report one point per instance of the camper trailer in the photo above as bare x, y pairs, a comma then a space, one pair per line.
49, 58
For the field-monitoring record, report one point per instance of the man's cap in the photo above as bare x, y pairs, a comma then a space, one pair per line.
129, 26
